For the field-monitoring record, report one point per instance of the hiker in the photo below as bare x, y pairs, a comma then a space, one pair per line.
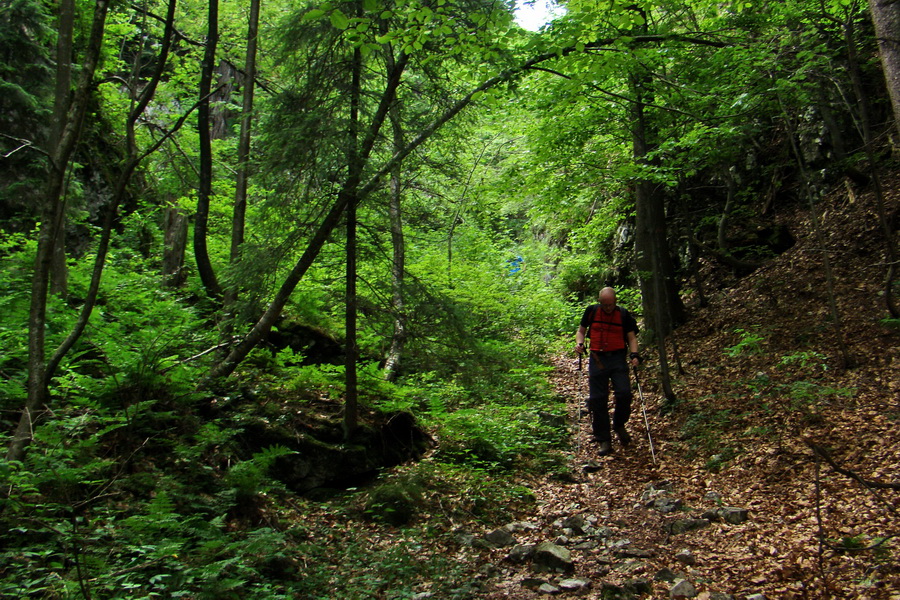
613, 335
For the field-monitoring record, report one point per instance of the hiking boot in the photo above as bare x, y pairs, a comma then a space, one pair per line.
605, 449
624, 438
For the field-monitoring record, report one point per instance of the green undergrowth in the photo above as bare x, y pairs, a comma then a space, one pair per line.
787, 390
135, 493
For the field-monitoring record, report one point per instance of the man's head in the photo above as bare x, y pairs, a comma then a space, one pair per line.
608, 299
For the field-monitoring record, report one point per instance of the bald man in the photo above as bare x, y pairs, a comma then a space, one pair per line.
612, 332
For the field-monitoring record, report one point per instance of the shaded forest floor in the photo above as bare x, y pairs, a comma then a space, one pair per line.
766, 419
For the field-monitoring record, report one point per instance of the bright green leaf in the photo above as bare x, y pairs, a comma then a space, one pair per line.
339, 20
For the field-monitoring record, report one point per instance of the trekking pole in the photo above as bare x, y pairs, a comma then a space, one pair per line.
644, 411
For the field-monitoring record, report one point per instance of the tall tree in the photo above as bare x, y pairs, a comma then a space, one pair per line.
204, 191
53, 215
886, 17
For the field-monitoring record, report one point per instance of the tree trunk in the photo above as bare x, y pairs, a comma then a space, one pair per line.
398, 244
201, 252
53, 210
59, 276
354, 174
243, 153
227, 365
350, 190
886, 17
651, 245
175, 231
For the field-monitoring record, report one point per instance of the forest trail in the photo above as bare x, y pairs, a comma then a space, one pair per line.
767, 420
630, 507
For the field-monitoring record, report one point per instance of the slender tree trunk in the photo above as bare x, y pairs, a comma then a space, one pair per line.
59, 275
201, 222
354, 173
351, 400
226, 366
53, 214
886, 18
651, 243
398, 244
175, 230
243, 154
350, 190
651, 246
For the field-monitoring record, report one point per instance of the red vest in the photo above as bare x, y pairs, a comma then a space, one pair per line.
606, 331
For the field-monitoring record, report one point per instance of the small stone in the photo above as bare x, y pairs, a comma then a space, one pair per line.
666, 505
756, 597
574, 585
533, 583
576, 523
666, 574
683, 589
684, 525
586, 545
634, 553
423, 596
551, 557
639, 587
548, 589
720, 596
733, 515
521, 553
713, 497
685, 557
499, 538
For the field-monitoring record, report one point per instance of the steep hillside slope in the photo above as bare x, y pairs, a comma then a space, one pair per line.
769, 421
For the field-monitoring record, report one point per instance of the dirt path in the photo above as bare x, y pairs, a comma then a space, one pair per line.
631, 506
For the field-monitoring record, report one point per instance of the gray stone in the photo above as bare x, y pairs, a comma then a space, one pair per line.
665, 504
521, 553
576, 523
638, 586
547, 588
711, 515
684, 525
499, 538
520, 526
666, 574
634, 553
550, 557
586, 545
685, 557
713, 497
683, 589
720, 596
533, 583
733, 515
423, 596
575, 585
756, 597
603, 532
